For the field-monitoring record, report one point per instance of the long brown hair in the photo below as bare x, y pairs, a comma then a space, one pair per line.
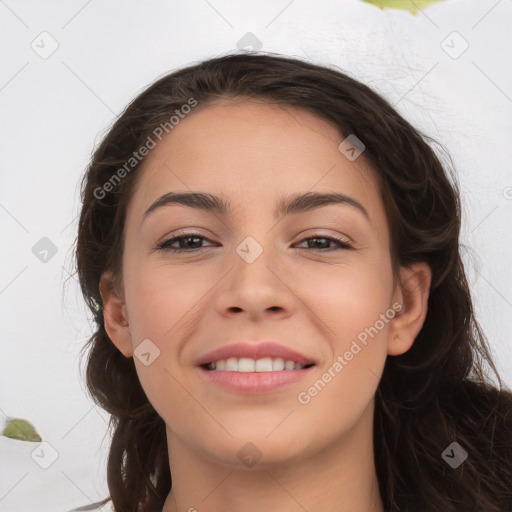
436, 393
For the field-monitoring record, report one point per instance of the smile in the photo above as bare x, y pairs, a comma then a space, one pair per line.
246, 365
246, 380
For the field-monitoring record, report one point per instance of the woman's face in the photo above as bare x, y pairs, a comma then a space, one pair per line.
254, 277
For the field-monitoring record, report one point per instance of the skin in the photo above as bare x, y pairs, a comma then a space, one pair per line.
314, 456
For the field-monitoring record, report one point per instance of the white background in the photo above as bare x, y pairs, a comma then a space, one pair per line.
54, 111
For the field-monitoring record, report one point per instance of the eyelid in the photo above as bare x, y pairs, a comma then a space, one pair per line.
344, 242
300, 237
311, 233
183, 232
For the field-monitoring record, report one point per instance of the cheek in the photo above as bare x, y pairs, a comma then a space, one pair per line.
160, 303
347, 299
161, 299
352, 305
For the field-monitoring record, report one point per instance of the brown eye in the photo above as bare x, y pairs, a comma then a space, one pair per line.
190, 242
320, 246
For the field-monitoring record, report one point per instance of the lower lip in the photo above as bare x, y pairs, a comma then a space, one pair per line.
255, 383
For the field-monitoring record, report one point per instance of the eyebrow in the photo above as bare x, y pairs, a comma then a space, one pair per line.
295, 203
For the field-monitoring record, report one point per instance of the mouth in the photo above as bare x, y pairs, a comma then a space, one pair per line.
245, 376
254, 368
249, 365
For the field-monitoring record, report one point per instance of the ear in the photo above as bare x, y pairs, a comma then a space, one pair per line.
115, 315
412, 292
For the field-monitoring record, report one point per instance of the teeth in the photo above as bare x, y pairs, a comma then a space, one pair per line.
246, 364
289, 365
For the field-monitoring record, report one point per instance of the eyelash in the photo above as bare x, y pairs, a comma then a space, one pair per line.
165, 245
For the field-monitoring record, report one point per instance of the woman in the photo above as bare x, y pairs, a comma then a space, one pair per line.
283, 318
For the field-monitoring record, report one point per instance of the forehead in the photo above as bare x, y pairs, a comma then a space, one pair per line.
255, 153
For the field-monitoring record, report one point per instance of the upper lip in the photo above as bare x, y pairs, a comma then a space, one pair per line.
255, 351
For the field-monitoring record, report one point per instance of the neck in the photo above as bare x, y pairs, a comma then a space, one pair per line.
341, 477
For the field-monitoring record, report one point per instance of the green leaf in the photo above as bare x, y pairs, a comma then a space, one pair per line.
406, 5
21, 429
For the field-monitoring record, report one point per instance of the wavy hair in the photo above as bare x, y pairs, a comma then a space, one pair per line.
436, 393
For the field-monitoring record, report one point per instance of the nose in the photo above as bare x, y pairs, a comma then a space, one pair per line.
258, 284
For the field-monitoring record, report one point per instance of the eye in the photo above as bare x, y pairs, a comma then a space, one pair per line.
183, 247
342, 244
194, 239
